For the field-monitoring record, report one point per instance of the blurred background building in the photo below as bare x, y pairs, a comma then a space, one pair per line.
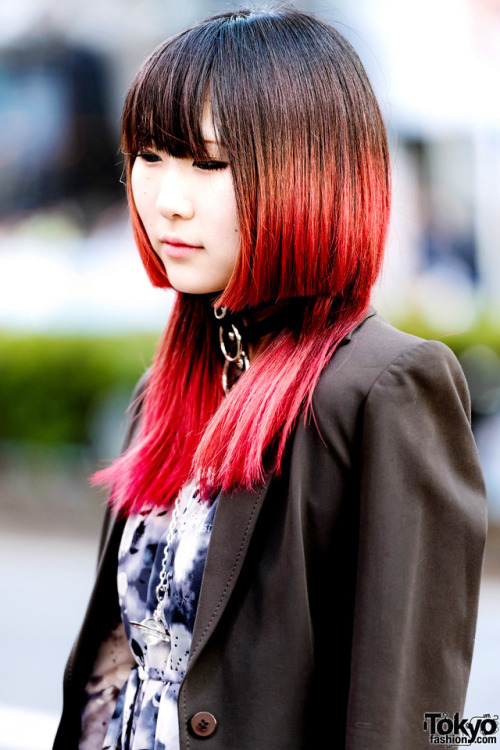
79, 320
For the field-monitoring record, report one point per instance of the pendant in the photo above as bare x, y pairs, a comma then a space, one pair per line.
152, 631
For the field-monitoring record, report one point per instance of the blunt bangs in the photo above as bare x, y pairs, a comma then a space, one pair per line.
165, 103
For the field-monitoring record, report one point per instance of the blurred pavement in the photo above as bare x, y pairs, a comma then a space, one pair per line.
45, 582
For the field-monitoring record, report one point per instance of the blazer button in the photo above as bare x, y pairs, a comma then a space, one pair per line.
203, 724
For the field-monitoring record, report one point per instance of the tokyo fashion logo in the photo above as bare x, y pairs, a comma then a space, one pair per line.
449, 731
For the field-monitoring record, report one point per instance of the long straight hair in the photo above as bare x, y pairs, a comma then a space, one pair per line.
292, 105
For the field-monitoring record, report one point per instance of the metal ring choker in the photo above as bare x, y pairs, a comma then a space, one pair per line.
233, 348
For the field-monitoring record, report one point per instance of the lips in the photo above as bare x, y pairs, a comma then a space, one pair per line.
174, 247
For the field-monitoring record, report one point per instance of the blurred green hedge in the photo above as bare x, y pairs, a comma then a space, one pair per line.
484, 333
52, 387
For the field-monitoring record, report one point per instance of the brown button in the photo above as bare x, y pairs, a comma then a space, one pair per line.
203, 724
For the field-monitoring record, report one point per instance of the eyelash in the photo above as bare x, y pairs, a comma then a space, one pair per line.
211, 165
148, 156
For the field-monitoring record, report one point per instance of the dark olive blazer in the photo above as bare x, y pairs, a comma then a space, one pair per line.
339, 600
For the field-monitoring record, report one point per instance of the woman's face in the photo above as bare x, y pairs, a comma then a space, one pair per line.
188, 209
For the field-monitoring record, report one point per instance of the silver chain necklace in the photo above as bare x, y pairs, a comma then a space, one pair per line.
154, 629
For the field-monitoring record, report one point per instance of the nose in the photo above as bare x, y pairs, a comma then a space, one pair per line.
174, 198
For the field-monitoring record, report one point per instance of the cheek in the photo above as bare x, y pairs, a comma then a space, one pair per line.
229, 235
228, 219
232, 251
141, 192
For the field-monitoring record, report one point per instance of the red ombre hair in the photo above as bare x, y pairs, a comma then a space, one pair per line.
292, 105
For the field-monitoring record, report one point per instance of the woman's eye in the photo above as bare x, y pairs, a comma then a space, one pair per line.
211, 165
148, 156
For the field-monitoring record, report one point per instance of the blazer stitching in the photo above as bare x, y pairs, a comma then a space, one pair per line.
230, 576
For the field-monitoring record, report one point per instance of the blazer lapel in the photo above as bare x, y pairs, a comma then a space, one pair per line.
235, 520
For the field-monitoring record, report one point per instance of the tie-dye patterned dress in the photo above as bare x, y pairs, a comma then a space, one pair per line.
145, 712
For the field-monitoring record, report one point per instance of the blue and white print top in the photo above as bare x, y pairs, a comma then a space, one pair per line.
145, 714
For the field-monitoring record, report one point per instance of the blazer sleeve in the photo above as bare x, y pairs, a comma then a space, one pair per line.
421, 540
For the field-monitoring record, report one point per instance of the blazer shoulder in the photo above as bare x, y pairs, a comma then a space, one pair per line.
374, 353
363, 356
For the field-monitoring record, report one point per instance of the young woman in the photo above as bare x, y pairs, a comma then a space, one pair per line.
293, 550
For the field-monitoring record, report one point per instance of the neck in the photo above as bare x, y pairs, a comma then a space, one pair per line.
260, 324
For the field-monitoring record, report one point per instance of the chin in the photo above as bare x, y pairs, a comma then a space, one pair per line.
187, 287
189, 283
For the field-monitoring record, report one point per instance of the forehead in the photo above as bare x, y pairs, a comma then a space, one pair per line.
207, 128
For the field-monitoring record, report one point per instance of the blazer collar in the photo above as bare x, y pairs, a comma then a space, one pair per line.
371, 311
